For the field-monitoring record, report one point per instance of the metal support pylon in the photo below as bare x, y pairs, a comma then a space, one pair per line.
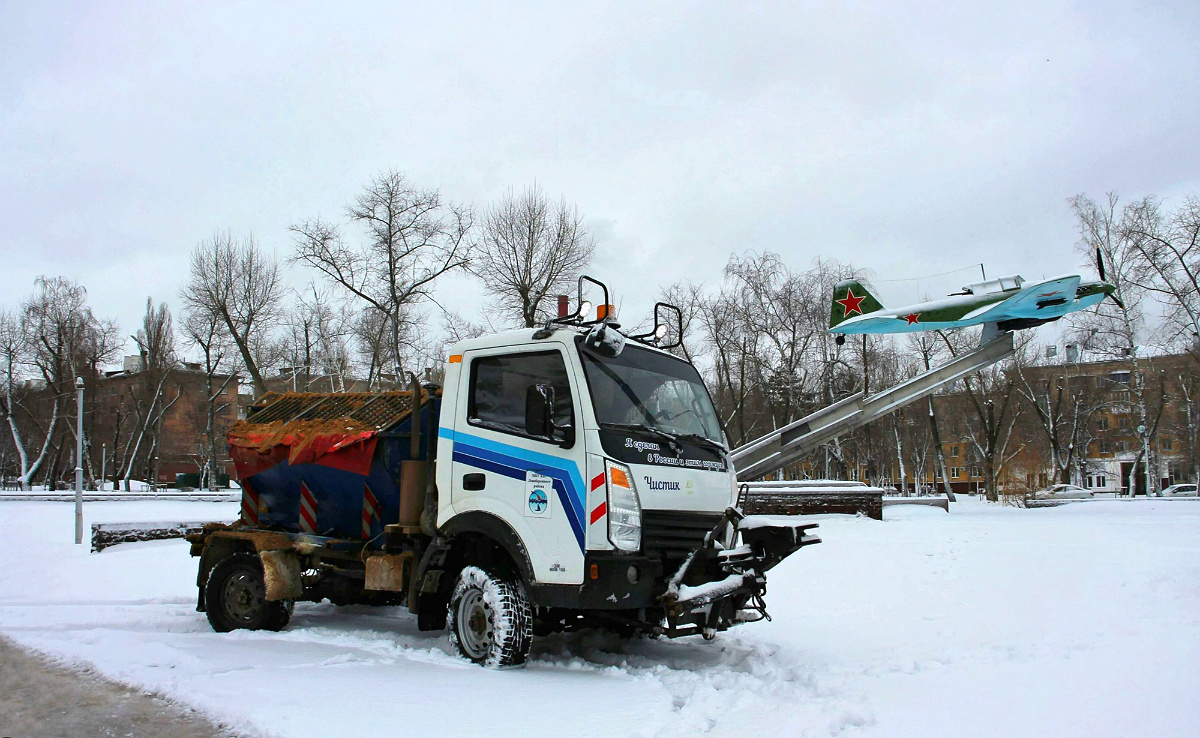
784, 445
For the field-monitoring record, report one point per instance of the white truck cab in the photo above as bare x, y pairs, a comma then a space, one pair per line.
633, 440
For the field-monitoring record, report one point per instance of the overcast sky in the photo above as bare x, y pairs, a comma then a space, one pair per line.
901, 138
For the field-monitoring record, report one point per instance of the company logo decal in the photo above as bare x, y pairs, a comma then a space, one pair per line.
662, 484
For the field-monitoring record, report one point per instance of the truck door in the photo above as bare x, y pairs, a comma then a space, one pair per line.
532, 482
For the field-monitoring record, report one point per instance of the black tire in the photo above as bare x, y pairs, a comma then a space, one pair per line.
490, 620
234, 597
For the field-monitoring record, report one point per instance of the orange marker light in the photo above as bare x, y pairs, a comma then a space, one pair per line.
605, 311
455, 358
595, 572
618, 477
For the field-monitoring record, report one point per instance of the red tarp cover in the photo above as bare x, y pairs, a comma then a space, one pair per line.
331, 429
356, 457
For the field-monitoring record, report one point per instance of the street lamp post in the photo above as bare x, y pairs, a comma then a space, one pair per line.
103, 462
1141, 429
79, 460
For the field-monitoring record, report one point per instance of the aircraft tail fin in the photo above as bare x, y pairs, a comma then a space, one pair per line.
850, 298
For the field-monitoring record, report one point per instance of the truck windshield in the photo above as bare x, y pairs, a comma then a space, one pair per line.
645, 388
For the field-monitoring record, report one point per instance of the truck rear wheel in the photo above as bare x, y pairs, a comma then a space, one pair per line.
489, 618
235, 597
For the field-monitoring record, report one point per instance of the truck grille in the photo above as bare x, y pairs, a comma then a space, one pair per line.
675, 533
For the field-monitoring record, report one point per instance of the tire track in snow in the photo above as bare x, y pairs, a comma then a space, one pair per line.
725, 687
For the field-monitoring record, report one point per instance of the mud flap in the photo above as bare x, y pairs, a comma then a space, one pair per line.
723, 582
281, 574
389, 572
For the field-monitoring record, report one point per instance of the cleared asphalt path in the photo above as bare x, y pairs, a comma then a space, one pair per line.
39, 699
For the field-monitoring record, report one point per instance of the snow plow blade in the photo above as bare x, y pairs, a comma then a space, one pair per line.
722, 583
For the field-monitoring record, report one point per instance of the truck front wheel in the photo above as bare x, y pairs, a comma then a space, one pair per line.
235, 597
490, 620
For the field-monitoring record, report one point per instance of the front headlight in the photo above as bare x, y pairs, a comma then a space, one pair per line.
624, 508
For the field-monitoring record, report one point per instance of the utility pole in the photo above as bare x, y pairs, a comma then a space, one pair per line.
79, 460
103, 462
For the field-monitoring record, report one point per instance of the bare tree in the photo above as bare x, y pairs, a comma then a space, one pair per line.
412, 239
734, 388
204, 331
1187, 420
1115, 328
768, 299
63, 340
761, 342
13, 352
241, 287
316, 340
989, 410
1064, 406
1168, 247
529, 251
156, 344
926, 348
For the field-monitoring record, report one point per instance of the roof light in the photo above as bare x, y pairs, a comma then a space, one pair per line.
585, 309
661, 331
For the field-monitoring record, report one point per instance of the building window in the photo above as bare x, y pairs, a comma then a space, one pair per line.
1122, 446
956, 471
976, 471
1167, 444
1119, 377
1123, 422
1102, 423
1105, 447
954, 451
1100, 481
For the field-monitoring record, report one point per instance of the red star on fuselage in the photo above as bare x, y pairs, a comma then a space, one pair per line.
850, 303
912, 318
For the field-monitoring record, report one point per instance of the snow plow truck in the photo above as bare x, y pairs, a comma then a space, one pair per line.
561, 477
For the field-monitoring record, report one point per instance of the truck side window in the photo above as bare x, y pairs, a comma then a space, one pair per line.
499, 384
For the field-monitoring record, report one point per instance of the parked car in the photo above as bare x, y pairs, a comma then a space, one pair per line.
1063, 492
1179, 490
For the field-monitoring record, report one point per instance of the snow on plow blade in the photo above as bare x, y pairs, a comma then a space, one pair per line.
722, 583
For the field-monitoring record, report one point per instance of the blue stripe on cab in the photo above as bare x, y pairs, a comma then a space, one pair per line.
514, 462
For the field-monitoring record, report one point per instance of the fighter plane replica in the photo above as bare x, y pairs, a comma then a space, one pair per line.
1010, 303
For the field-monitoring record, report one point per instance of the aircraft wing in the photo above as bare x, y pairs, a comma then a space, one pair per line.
1049, 299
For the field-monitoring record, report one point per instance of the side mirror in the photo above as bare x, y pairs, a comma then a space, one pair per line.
539, 415
539, 410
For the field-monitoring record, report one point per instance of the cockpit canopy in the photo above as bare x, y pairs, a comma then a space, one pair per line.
1003, 284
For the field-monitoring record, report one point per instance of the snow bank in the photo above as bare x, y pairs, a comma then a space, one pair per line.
988, 621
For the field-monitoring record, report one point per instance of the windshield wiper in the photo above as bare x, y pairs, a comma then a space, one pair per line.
705, 441
671, 439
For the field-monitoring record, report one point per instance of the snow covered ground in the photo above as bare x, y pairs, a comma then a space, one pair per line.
1082, 620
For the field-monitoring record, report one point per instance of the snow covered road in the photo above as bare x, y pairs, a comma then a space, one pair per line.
1077, 620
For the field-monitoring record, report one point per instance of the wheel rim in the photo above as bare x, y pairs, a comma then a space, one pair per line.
243, 597
474, 624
